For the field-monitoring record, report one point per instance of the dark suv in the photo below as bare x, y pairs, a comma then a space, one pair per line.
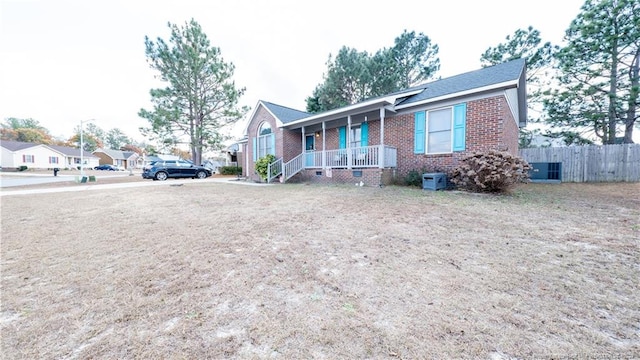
162, 170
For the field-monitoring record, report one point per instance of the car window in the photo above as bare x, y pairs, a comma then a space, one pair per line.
170, 163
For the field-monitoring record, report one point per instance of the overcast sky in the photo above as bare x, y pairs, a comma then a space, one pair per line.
67, 61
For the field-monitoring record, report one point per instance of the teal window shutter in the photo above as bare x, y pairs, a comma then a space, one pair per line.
459, 126
418, 132
364, 134
342, 136
273, 144
255, 149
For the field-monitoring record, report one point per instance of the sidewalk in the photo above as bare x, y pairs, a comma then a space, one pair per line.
78, 187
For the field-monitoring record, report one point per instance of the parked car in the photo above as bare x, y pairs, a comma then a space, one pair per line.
106, 167
162, 170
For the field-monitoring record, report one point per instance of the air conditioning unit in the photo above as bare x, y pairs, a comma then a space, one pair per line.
545, 172
434, 181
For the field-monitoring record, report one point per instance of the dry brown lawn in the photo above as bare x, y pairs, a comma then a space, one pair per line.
212, 271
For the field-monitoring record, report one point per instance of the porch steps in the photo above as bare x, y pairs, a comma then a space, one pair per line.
293, 167
274, 170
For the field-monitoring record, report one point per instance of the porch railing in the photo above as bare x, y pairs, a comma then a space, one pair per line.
390, 157
358, 157
293, 166
274, 169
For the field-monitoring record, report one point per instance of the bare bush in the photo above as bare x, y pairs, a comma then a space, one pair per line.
493, 171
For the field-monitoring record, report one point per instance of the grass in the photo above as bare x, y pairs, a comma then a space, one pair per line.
210, 270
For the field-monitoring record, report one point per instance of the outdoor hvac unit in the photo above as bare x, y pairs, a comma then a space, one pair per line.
434, 181
545, 172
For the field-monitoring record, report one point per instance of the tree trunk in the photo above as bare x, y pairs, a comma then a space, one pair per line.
613, 84
630, 121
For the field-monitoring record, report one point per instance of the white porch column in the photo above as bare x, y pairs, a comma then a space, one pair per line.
304, 141
324, 148
381, 159
246, 160
348, 136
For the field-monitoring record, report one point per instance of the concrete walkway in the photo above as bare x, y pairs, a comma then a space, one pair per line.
73, 186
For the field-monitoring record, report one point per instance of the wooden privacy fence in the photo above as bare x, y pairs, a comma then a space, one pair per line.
592, 163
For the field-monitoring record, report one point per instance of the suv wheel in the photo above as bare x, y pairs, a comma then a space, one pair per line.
201, 175
161, 175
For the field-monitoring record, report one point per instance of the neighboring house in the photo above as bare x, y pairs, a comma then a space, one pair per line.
540, 140
213, 165
122, 159
425, 128
16, 154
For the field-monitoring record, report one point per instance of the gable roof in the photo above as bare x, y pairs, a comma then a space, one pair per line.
116, 154
283, 113
473, 80
69, 151
16, 145
508, 75
65, 150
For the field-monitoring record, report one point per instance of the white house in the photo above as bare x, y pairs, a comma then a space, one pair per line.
39, 156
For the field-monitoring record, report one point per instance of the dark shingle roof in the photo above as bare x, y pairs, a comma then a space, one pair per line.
66, 150
285, 114
496, 74
116, 154
70, 151
16, 145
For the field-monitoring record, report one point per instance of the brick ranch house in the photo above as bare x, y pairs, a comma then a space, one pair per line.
424, 128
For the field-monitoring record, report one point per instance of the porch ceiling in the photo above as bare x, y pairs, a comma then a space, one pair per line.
340, 119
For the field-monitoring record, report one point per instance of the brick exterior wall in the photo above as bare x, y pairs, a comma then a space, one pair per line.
370, 177
292, 146
261, 115
489, 126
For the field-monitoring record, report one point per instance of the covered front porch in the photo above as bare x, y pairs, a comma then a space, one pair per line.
376, 156
362, 157
349, 138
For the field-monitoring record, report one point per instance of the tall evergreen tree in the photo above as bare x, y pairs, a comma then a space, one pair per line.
116, 139
415, 59
354, 76
598, 73
526, 44
200, 97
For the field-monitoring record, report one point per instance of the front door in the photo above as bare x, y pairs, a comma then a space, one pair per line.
309, 147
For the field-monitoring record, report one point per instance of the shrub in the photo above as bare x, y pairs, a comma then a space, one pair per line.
413, 178
230, 170
492, 171
262, 165
22, 168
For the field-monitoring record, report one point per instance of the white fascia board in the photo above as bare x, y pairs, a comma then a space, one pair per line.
54, 150
253, 113
502, 85
351, 109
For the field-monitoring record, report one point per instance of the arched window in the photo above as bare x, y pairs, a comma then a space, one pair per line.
265, 140
265, 129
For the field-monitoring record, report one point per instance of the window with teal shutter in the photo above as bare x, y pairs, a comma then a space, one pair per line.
459, 126
418, 132
342, 137
273, 145
364, 134
255, 149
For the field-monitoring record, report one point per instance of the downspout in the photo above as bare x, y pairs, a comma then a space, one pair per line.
324, 149
348, 140
381, 159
